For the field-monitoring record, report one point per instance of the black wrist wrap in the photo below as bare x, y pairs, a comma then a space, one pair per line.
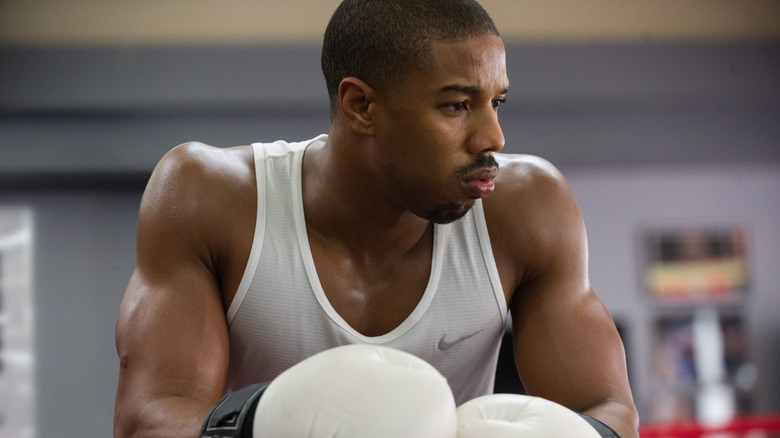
233, 415
603, 430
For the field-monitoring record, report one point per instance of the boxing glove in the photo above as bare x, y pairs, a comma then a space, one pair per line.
520, 416
358, 391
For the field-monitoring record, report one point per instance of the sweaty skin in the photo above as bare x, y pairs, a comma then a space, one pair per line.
393, 163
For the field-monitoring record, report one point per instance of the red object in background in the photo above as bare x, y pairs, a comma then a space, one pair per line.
765, 423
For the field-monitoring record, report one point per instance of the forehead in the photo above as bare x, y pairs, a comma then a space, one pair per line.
477, 62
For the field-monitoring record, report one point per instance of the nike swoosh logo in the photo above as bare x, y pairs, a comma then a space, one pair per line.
444, 345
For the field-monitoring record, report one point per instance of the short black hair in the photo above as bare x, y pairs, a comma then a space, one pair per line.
378, 41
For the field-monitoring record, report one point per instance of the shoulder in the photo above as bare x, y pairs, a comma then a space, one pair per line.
532, 213
204, 169
528, 182
195, 184
526, 169
198, 161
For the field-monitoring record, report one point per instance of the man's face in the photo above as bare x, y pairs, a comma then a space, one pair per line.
437, 131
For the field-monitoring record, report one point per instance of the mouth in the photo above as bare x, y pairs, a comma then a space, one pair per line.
480, 184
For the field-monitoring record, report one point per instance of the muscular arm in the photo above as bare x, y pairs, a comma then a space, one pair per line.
172, 360
171, 334
567, 348
569, 351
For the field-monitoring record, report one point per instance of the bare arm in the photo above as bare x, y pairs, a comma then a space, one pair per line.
567, 348
571, 353
171, 333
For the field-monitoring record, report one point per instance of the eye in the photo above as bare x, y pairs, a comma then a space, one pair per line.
456, 106
497, 103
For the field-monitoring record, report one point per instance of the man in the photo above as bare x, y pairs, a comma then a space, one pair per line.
396, 229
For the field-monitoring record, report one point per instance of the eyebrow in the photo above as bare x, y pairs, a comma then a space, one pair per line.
467, 89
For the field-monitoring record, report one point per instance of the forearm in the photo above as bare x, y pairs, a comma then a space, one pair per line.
170, 416
621, 417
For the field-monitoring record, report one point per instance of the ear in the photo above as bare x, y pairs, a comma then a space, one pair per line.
357, 100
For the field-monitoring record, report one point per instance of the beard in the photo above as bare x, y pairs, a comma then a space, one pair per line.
450, 212
446, 213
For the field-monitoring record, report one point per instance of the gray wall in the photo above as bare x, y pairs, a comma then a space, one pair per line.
83, 256
647, 134
109, 110
619, 205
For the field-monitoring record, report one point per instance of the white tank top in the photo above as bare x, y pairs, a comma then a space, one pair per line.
280, 314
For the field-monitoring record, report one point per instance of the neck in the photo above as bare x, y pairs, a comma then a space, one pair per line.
344, 208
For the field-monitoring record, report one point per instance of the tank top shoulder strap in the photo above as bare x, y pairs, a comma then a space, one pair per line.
487, 253
263, 152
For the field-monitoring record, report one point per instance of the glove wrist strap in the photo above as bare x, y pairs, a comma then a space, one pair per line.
233, 415
603, 430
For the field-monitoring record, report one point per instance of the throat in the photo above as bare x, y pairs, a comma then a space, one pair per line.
373, 260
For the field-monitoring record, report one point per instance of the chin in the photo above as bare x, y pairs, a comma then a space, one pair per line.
447, 213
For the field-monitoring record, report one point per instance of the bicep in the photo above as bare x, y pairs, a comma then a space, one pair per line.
566, 345
172, 339
568, 350
171, 334
173, 356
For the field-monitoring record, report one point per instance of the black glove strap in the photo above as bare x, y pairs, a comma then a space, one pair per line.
603, 430
233, 415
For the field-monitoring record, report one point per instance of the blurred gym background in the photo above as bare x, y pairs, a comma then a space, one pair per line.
663, 115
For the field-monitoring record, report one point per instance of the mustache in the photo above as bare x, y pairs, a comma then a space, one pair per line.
480, 162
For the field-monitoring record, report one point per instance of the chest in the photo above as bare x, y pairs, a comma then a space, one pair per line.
373, 296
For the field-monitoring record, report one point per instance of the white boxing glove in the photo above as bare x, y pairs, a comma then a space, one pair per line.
358, 391
520, 416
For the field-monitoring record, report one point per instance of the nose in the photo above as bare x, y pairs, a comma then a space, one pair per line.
487, 134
